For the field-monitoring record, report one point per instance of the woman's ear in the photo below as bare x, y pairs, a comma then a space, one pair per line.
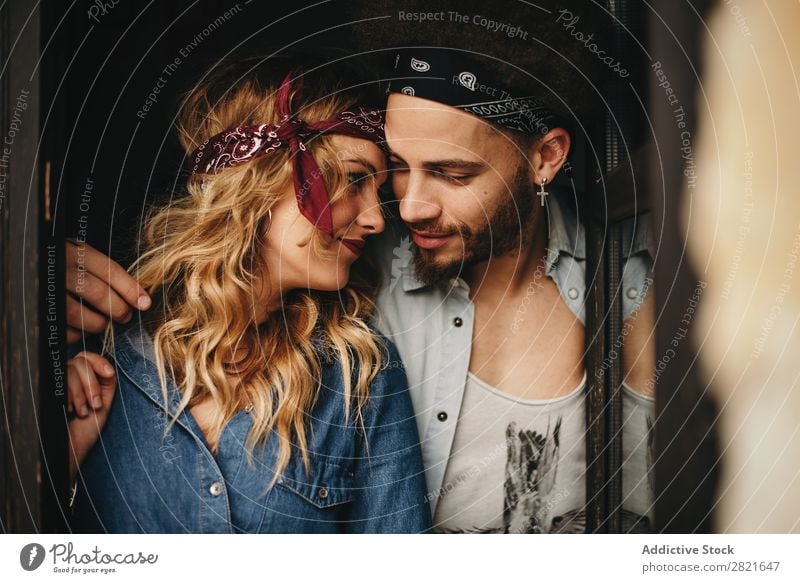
549, 153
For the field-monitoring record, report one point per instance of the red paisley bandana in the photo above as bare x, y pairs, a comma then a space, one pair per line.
244, 143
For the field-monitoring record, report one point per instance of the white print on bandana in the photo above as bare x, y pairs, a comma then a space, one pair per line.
420, 66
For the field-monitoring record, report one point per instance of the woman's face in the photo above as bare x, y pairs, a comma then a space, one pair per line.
356, 215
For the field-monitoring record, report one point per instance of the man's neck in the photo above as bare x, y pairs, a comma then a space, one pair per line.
511, 273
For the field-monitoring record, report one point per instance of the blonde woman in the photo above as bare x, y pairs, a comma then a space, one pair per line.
254, 396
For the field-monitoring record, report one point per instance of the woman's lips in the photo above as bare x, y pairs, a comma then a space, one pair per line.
354, 245
429, 240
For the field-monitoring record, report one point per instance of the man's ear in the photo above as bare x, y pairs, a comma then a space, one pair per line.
549, 153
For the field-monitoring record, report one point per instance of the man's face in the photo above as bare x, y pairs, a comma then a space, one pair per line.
464, 188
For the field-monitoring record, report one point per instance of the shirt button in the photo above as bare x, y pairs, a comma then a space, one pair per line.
215, 489
442, 416
572, 293
633, 293
323, 492
457, 322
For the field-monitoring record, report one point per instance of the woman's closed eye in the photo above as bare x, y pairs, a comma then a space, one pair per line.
358, 180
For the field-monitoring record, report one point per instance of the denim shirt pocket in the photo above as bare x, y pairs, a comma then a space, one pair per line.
326, 484
316, 502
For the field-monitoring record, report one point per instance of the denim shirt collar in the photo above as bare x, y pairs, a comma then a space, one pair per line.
134, 353
566, 234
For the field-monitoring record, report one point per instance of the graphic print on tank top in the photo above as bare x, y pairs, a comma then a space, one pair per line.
531, 468
531, 478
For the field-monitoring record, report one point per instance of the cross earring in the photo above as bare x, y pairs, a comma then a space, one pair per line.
542, 192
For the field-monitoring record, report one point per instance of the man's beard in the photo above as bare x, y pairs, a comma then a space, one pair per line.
499, 235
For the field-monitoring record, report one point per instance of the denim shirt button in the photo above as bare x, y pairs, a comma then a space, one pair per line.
442, 416
457, 322
573, 293
323, 492
633, 293
215, 489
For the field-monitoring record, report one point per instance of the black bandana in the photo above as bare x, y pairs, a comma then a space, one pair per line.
458, 79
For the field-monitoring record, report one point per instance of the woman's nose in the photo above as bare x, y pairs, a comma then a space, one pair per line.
371, 217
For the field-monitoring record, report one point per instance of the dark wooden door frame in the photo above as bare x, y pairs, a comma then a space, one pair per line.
33, 445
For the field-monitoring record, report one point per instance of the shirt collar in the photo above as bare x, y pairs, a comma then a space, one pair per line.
566, 234
135, 356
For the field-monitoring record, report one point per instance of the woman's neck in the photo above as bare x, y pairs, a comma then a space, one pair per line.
266, 301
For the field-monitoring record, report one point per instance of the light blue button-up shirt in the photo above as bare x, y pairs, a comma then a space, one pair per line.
432, 325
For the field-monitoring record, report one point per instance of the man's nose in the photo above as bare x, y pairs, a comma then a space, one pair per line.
416, 203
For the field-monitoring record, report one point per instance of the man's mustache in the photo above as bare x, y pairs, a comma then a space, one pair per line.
435, 228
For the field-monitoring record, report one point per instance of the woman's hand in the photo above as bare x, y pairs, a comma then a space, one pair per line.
101, 284
91, 384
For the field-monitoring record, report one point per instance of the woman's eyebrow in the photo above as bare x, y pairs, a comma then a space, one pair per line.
368, 165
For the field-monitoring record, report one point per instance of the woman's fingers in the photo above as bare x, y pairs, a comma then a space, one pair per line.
87, 374
76, 395
103, 283
97, 382
105, 377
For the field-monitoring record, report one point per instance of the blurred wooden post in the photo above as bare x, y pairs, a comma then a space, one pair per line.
685, 443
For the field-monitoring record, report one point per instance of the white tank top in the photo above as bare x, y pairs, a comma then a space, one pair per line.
518, 465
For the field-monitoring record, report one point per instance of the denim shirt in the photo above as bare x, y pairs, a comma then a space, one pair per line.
141, 478
432, 325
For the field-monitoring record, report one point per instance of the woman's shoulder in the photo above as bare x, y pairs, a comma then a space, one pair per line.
390, 381
390, 356
323, 345
391, 370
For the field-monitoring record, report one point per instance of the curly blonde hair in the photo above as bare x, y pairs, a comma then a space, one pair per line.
201, 263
